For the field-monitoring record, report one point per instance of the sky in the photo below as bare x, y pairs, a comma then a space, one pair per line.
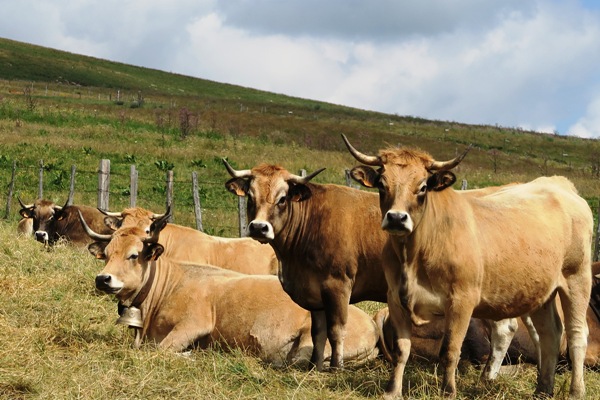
530, 64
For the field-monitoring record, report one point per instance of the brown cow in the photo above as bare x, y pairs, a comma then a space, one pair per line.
186, 244
52, 222
328, 258
186, 304
496, 256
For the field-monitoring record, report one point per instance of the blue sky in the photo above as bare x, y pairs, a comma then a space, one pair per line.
533, 64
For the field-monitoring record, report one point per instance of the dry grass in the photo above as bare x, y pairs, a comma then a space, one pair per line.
59, 341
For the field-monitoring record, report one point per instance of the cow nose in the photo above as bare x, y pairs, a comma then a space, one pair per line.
397, 222
260, 230
41, 236
103, 281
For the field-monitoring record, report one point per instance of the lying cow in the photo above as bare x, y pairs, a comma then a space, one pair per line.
186, 244
25, 226
51, 222
185, 305
497, 256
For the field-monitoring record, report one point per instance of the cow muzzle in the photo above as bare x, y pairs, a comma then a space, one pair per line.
108, 284
397, 223
41, 236
261, 231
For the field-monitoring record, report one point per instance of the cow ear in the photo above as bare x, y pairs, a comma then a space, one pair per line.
113, 223
97, 250
26, 212
298, 192
364, 175
152, 251
237, 186
441, 180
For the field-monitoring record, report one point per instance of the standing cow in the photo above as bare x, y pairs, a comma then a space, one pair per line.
186, 304
496, 256
52, 222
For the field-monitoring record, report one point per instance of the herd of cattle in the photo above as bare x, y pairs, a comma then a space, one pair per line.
456, 269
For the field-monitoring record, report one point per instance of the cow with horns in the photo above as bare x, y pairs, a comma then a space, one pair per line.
496, 256
185, 304
51, 222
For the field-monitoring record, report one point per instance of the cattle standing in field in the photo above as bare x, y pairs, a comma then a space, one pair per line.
329, 258
496, 256
329, 241
186, 244
51, 222
185, 304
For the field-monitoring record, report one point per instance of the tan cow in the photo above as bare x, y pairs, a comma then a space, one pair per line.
186, 244
496, 256
330, 258
25, 226
185, 305
51, 222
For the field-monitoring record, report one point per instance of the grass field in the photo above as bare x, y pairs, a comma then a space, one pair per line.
59, 341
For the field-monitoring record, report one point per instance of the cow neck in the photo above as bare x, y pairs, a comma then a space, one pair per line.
296, 230
145, 289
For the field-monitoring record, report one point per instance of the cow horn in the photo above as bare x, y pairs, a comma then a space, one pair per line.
96, 236
303, 180
24, 205
363, 158
110, 213
158, 226
448, 165
244, 173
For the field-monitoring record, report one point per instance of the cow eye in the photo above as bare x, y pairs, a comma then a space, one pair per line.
133, 257
281, 201
422, 189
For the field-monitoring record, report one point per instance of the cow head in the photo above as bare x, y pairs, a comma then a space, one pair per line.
43, 213
270, 191
127, 254
135, 216
404, 179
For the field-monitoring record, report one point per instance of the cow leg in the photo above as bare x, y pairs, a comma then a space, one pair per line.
535, 338
401, 325
318, 332
549, 328
182, 337
336, 314
574, 307
502, 333
458, 315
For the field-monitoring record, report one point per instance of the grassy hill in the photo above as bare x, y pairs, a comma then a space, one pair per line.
67, 109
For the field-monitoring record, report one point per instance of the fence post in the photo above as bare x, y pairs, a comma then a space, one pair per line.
243, 216
11, 189
41, 180
71, 186
170, 193
464, 185
103, 184
597, 247
197, 207
133, 186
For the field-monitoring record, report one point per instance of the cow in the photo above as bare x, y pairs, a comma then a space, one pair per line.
328, 258
51, 222
186, 304
496, 256
186, 244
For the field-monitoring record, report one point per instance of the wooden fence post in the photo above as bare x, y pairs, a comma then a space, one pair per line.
197, 207
170, 193
41, 180
133, 186
243, 216
464, 184
103, 184
11, 189
71, 187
